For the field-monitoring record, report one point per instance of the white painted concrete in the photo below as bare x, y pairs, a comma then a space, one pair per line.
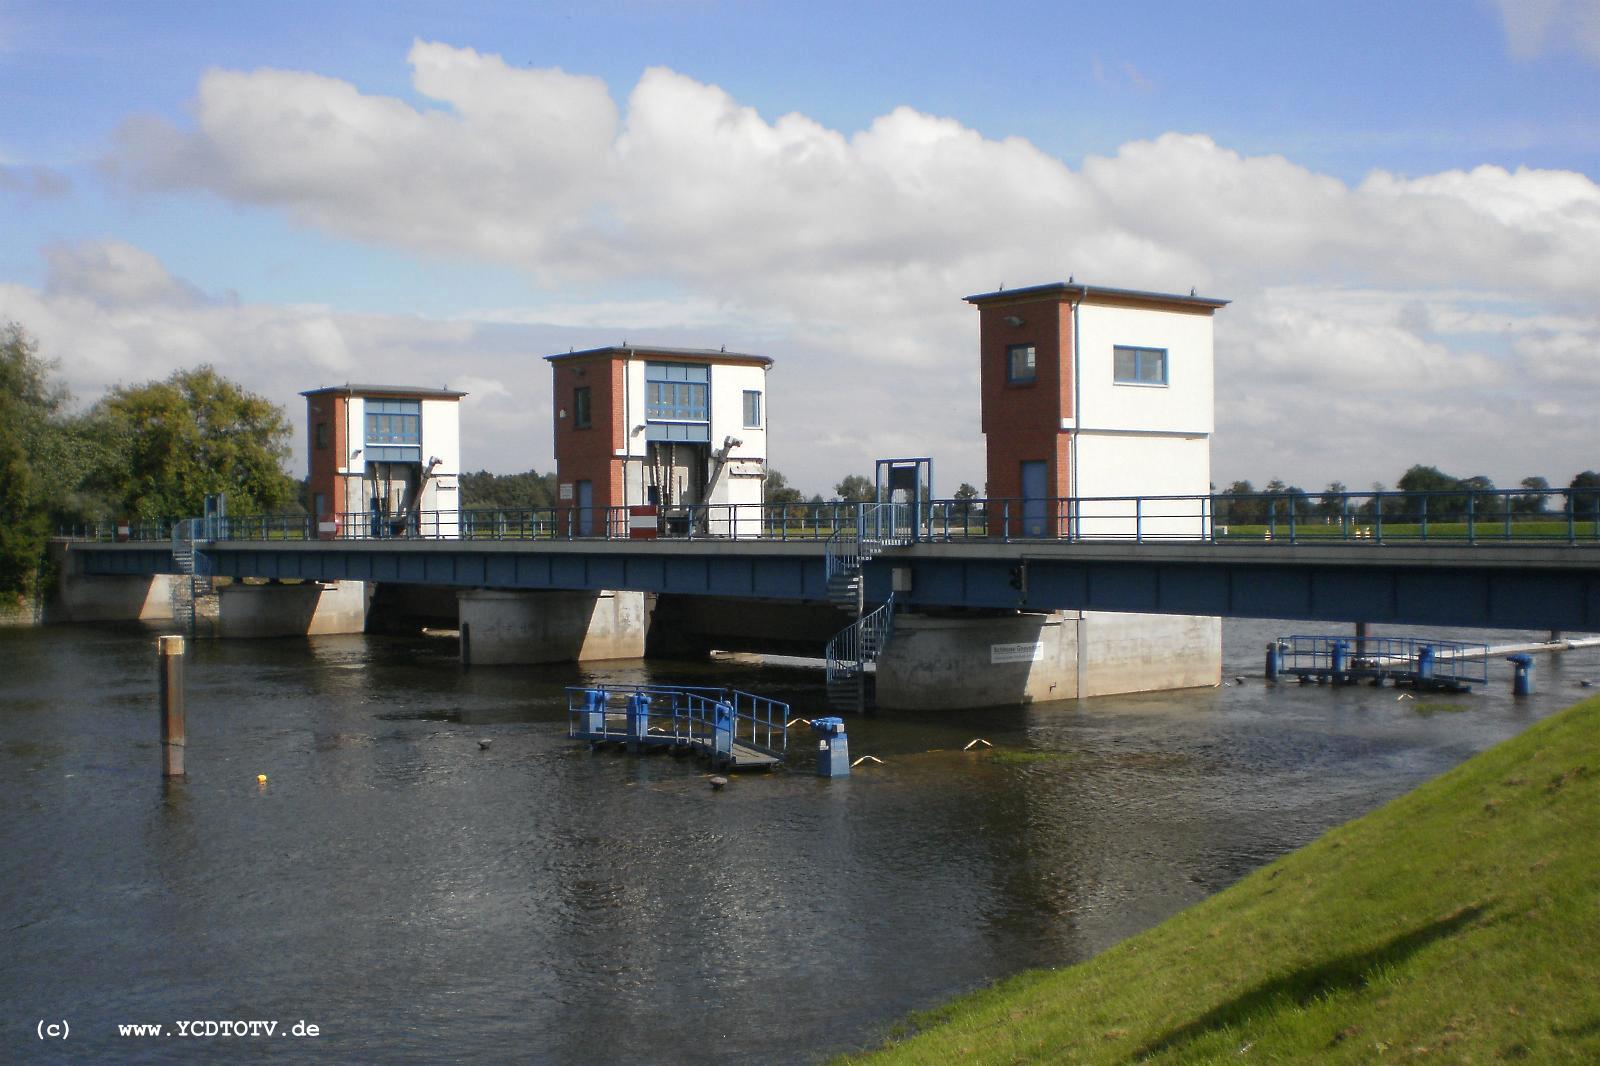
121, 598
953, 663
550, 627
310, 608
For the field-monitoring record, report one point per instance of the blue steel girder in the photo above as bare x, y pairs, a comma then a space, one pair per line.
1492, 586
1487, 585
758, 569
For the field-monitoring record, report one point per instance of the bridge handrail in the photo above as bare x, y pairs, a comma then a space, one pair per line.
1470, 516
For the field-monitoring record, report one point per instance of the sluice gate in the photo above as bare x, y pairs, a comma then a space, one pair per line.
1419, 662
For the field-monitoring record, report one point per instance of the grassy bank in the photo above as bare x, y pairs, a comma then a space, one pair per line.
1460, 922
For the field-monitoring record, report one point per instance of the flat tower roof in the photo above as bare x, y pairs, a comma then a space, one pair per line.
715, 355
1100, 294
419, 391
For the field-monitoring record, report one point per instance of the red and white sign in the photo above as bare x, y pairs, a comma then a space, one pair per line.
642, 523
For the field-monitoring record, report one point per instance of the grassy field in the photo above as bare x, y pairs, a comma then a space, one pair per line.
1459, 923
1315, 529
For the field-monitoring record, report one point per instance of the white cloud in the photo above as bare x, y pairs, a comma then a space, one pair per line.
1534, 25
1387, 316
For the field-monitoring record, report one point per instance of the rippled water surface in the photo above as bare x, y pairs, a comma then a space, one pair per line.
420, 898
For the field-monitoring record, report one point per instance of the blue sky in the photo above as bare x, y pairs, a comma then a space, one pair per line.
1375, 185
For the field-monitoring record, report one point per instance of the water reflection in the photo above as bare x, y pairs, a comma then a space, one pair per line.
422, 897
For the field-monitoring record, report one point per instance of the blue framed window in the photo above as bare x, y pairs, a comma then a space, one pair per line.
1022, 366
752, 409
1138, 366
677, 392
580, 407
394, 422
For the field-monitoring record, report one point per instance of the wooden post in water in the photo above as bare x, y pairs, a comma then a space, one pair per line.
169, 652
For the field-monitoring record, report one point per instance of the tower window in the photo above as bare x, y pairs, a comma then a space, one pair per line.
322, 434
752, 409
1139, 366
580, 407
1021, 364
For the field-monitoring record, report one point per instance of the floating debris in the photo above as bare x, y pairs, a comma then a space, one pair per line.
866, 758
483, 743
975, 742
718, 783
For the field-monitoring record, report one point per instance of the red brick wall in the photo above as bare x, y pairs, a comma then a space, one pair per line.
589, 454
322, 466
1023, 422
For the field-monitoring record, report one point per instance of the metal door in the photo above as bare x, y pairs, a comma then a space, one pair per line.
585, 508
1034, 480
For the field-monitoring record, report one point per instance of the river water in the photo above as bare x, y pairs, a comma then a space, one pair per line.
420, 898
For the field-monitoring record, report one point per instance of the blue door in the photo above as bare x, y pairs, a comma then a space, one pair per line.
585, 508
1033, 498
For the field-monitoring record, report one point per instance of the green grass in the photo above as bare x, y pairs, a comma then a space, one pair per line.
1460, 922
1485, 529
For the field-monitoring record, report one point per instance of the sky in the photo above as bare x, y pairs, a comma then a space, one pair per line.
1400, 200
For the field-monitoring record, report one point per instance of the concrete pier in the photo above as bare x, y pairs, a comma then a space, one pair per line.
551, 627
121, 598
944, 663
311, 608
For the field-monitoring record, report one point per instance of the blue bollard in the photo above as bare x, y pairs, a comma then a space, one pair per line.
594, 712
722, 737
1425, 656
638, 720
1341, 659
833, 747
1522, 678
1274, 660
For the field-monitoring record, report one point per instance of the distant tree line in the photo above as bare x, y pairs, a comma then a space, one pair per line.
141, 452
1421, 491
507, 492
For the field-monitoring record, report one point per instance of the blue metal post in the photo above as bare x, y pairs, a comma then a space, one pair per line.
722, 736
638, 720
1425, 660
1522, 678
594, 712
833, 747
1341, 659
1274, 660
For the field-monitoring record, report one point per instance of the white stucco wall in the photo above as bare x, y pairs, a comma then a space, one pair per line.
1132, 464
1185, 405
441, 439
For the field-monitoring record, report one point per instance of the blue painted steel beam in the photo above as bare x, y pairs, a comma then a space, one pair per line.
1512, 586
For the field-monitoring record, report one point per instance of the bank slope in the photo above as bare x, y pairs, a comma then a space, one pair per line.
1460, 922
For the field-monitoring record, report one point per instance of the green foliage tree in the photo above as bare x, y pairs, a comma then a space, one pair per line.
1583, 496
1536, 490
507, 492
776, 489
174, 442
29, 408
967, 492
855, 489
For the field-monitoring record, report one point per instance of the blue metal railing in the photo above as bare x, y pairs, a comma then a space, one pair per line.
1450, 662
678, 714
1459, 516
859, 643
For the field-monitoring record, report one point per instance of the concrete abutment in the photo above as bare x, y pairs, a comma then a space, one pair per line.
945, 663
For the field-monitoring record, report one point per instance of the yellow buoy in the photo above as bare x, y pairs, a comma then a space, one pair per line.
261, 779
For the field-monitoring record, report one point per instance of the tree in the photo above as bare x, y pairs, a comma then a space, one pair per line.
29, 407
855, 489
196, 434
966, 492
1238, 506
776, 489
1583, 496
1333, 499
1531, 501
507, 492
1424, 483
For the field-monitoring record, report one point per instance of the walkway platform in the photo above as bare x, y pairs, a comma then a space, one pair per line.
1419, 662
735, 730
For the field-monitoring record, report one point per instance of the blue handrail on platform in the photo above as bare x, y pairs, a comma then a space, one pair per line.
734, 729
1421, 661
